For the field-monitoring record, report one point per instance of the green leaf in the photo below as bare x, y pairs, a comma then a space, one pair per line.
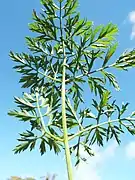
95, 32
131, 130
112, 79
108, 31
95, 85
54, 145
105, 37
21, 147
42, 146
32, 145
70, 7
22, 115
90, 115
27, 134
105, 98
75, 19
109, 54
133, 114
115, 134
24, 102
124, 108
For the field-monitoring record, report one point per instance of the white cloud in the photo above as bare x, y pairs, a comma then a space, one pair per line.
90, 170
86, 171
133, 32
110, 150
130, 150
131, 18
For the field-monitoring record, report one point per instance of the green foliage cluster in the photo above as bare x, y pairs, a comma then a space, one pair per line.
63, 57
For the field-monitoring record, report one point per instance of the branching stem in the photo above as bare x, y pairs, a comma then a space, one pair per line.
97, 125
44, 131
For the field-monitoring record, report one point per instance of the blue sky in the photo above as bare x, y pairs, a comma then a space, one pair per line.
117, 163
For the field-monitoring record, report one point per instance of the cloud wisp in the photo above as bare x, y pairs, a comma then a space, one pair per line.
90, 170
130, 150
131, 18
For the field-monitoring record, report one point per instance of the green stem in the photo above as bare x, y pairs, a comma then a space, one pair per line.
63, 96
64, 123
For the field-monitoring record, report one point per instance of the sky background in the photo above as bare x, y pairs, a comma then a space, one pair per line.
111, 162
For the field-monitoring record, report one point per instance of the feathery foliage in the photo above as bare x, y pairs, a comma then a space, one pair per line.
65, 54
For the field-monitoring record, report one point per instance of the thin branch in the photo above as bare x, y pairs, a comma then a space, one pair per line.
99, 125
49, 77
74, 113
44, 131
89, 73
128, 61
